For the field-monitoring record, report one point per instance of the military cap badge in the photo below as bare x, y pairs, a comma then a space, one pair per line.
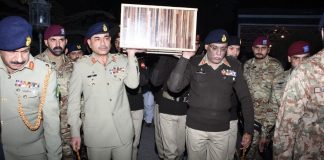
104, 28
78, 46
28, 41
223, 38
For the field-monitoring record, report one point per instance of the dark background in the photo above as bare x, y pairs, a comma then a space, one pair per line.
77, 15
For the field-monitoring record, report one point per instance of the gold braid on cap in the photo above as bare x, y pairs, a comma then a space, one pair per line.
40, 107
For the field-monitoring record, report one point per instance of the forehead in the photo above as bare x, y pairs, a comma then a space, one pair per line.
260, 46
218, 44
234, 46
300, 55
99, 35
56, 38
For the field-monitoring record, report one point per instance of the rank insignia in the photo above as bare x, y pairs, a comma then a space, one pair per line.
31, 65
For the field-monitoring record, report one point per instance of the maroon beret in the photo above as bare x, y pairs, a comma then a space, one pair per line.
54, 30
299, 47
262, 40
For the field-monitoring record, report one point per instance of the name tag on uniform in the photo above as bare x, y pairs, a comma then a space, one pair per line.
228, 72
319, 89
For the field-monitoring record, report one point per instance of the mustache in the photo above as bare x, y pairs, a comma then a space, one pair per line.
58, 48
16, 62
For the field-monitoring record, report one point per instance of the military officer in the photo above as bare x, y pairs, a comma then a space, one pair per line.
259, 73
30, 124
54, 39
300, 124
74, 51
101, 77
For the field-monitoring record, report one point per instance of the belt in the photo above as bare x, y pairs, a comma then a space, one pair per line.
177, 99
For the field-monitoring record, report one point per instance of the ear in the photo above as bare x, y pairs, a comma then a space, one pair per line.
268, 50
289, 59
88, 41
46, 43
206, 45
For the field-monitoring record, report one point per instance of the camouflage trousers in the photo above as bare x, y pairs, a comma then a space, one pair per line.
67, 152
253, 151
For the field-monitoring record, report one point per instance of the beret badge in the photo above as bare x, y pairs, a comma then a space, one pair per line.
78, 46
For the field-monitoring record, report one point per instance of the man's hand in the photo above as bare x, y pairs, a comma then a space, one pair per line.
246, 140
76, 143
188, 54
263, 142
132, 52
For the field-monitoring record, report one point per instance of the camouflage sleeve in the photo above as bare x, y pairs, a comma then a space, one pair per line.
272, 107
51, 121
271, 110
290, 112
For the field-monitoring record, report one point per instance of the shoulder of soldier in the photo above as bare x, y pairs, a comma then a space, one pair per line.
196, 59
41, 56
118, 57
233, 61
248, 62
281, 76
41, 65
274, 61
315, 60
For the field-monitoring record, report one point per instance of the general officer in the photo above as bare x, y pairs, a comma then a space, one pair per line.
212, 78
29, 108
101, 77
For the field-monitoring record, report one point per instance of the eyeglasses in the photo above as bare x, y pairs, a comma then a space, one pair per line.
216, 48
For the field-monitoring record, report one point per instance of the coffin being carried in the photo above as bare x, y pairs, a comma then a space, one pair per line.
159, 29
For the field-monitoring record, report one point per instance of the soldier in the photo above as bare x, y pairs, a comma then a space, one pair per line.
259, 73
30, 124
299, 127
101, 78
74, 51
212, 78
233, 50
54, 39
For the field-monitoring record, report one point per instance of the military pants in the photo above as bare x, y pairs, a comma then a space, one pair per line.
253, 151
202, 145
137, 117
173, 134
232, 139
123, 152
157, 132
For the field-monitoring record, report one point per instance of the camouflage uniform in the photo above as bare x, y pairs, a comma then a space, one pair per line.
63, 75
259, 78
300, 124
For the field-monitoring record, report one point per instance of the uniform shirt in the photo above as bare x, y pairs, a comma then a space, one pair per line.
259, 78
300, 124
27, 84
278, 87
210, 92
107, 120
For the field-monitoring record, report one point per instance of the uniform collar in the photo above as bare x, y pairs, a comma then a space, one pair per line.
110, 58
205, 61
47, 52
266, 60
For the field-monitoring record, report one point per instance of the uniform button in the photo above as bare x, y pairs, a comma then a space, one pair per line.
110, 99
9, 76
18, 90
25, 96
108, 83
113, 114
